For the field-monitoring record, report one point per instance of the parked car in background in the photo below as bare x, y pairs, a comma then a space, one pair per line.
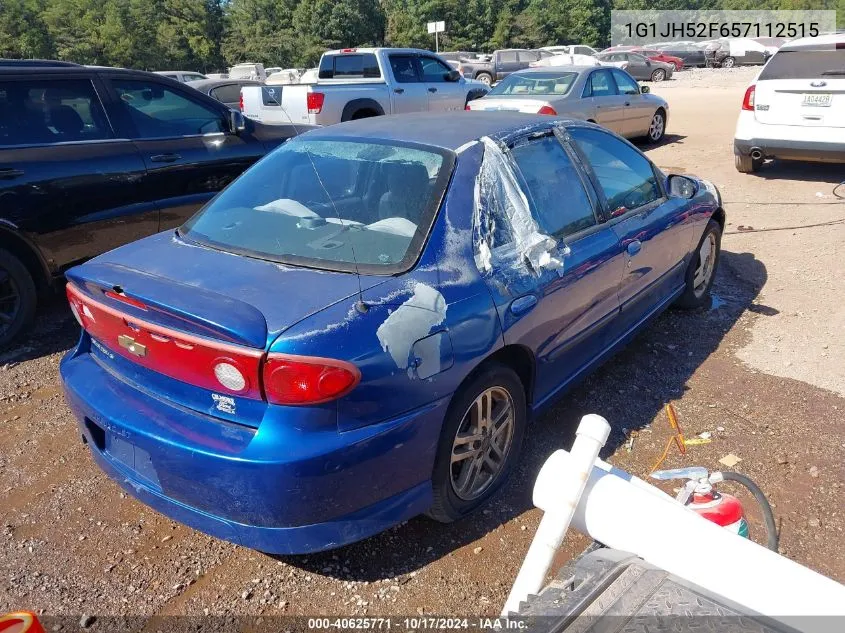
607, 96
771, 44
359, 329
571, 49
692, 53
795, 108
502, 63
182, 76
272, 70
364, 82
655, 55
566, 59
284, 77
92, 158
637, 66
456, 56
741, 51
217, 75
226, 91
248, 70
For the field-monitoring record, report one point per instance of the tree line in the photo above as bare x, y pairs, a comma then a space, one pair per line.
211, 35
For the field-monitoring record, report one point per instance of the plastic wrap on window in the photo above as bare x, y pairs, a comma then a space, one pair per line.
502, 212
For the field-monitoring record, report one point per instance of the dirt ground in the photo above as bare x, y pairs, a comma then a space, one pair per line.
762, 371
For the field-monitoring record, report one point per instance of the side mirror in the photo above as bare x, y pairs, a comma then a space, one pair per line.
453, 75
682, 187
237, 122
644, 90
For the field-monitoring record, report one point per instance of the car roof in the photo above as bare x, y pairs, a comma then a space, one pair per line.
448, 131
830, 41
559, 67
40, 63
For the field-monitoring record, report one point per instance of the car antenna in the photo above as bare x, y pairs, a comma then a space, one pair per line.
360, 305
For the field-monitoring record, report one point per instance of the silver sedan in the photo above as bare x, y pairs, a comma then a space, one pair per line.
603, 95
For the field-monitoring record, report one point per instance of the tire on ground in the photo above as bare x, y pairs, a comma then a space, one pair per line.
14, 271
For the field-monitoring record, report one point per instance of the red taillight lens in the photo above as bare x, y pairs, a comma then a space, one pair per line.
546, 110
214, 365
307, 380
748, 99
241, 102
315, 102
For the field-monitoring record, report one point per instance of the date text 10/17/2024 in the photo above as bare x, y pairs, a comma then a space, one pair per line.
713, 30
421, 623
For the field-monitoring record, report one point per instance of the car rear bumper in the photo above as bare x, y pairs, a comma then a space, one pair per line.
815, 151
278, 489
789, 142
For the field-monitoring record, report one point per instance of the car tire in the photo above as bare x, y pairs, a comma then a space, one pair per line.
657, 127
746, 164
702, 268
728, 62
456, 491
658, 75
485, 78
18, 298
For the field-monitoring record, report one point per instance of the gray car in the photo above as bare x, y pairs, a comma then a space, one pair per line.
638, 66
604, 95
227, 91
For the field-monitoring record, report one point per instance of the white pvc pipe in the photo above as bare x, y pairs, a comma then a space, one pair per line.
625, 513
568, 485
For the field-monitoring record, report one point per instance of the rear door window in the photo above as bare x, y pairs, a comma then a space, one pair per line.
556, 193
157, 111
528, 56
349, 66
601, 84
404, 68
507, 57
35, 112
625, 176
805, 65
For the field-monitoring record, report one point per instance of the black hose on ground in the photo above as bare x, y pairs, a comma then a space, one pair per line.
768, 515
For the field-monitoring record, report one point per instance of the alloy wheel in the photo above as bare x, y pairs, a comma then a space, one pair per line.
658, 75
482, 443
706, 265
655, 130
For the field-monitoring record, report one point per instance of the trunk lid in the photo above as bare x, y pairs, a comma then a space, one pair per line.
163, 313
510, 104
805, 102
803, 86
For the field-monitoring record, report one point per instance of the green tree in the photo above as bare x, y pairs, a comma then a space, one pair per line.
338, 23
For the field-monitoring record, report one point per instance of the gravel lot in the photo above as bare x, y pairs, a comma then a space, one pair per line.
762, 370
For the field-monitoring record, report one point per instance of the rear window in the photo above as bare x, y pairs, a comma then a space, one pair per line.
349, 66
330, 204
805, 65
535, 84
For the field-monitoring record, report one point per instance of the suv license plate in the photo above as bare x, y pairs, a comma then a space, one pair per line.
817, 99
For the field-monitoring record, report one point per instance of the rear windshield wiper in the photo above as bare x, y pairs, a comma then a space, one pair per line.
833, 72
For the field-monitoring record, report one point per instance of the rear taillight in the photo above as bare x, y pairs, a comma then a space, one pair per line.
241, 102
314, 102
216, 366
307, 380
748, 99
547, 110
467, 107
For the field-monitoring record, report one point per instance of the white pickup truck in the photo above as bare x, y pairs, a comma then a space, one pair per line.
357, 83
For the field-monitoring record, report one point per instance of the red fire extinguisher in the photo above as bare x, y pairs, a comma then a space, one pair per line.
699, 494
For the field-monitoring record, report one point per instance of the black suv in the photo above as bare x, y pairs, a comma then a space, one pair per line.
92, 158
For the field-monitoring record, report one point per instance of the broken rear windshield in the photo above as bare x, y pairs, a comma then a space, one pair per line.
330, 204
809, 64
549, 84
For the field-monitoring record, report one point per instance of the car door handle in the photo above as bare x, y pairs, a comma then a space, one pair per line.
399, 91
10, 173
634, 247
432, 89
627, 103
164, 158
523, 304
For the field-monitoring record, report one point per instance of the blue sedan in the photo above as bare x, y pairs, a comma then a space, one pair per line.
358, 329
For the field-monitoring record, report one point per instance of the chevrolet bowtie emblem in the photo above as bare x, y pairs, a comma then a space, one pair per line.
128, 343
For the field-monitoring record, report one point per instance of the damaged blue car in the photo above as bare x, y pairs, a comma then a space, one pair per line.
359, 328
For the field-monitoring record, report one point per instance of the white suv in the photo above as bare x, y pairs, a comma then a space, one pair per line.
795, 109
